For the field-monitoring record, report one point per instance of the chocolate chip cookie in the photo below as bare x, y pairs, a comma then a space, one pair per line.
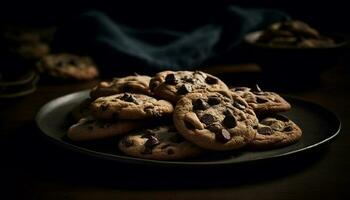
275, 131
172, 85
160, 143
138, 84
82, 110
262, 102
68, 66
92, 129
130, 106
215, 121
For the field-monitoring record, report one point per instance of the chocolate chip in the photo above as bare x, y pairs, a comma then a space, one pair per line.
151, 142
229, 121
223, 136
170, 151
288, 128
265, 130
177, 138
261, 100
129, 98
211, 80
128, 142
239, 105
170, 79
282, 118
184, 89
207, 119
199, 104
213, 100
104, 107
215, 128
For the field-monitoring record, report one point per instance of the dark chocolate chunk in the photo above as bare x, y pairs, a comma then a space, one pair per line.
104, 107
229, 121
213, 100
170, 151
170, 79
215, 128
223, 136
207, 119
200, 104
265, 130
282, 118
127, 142
288, 129
129, 98
151, 142
211, 80
239, 105
261, 100
184, 89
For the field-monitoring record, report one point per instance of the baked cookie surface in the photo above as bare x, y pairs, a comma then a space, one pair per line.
171, 85
275, 131
262, 102
160, 143
130, 106
68, 66
138, 84
214, 121
92, 129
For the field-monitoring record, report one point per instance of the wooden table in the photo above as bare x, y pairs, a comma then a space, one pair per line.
34, 168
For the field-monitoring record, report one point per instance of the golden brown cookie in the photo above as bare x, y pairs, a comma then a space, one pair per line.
214, 121
172, 85
275, 131
68, 66
130, 106
92, 129
138, 84
160, 143
262, 102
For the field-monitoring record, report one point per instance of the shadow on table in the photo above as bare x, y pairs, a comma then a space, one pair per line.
38, 160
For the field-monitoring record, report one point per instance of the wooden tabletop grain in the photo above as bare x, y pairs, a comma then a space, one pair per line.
34, 168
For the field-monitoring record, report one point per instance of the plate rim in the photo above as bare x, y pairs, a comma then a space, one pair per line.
142, 161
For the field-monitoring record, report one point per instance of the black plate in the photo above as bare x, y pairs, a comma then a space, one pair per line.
318, 124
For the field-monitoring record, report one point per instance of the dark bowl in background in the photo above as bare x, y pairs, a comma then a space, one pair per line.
293, 66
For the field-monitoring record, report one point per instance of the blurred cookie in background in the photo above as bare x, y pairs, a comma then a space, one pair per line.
67, 66
26, 43
294, 33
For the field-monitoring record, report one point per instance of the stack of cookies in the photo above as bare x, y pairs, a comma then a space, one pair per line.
181, 114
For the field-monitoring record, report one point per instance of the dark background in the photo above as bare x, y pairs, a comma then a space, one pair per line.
327, 15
